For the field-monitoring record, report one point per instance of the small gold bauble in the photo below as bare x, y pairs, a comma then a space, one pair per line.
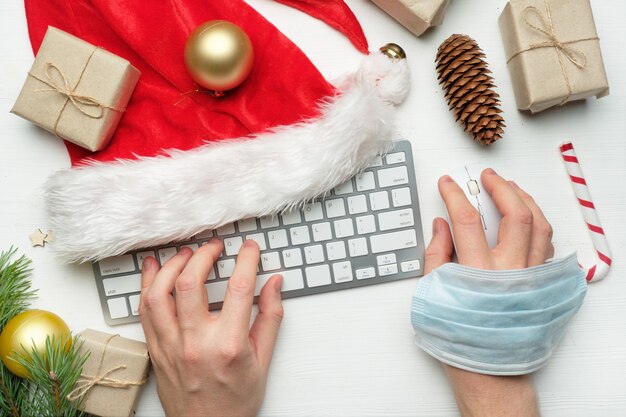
219, 55
30, 329
393, 51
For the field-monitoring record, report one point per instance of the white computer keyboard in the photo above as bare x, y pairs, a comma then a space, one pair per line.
368, 231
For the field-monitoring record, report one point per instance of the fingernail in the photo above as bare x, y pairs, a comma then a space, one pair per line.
148, 264
249, 243
446, 178
490, 171
278, 284
435, 227
514, 185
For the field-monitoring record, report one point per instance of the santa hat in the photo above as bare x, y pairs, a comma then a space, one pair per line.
284, 137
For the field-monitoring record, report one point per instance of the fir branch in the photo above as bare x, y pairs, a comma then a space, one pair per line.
53, 376
15, 294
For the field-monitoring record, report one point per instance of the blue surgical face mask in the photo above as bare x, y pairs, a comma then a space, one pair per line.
496, 322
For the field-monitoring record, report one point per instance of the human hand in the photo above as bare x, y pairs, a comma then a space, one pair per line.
524, 240
207, 364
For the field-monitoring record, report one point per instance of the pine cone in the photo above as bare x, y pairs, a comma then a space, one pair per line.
469, 88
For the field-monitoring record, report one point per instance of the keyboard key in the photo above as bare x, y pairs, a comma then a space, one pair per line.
365, 224
134, 304
378, 161
379, 200
321, 232
409, 266
342, 271
335, 208
193, 246
299, 235
122, 285
395, 219
401, 197
247, 225
232, 245
269, 221
165, 254
292, 280
216, 291
116, 265
117, 307
357, 204
277, 239
393, 176
292, 257
314, 254
316, 276
206, 234
386, 259
383, 271
270, 261
343, 228
336, 250
365, 273
357, 247
259, 238
212, 275
227, 229
393, 241
395, 158
313, 212
345, 188
225, 268
143, 255
365, 181
292, 217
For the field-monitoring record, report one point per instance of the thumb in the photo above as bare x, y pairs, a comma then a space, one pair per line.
267, 323
439, 251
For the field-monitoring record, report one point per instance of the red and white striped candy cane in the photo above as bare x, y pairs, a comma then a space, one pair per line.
600, 243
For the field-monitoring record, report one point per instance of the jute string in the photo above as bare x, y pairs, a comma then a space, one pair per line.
88, 382
87, 105
563, 49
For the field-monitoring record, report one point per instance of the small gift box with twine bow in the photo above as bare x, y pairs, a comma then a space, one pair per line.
415, 15
553, 52
113, 375
76, 90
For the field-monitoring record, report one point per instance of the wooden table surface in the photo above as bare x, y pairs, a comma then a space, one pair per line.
351, 353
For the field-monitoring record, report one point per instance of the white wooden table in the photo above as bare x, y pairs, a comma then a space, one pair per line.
351, 353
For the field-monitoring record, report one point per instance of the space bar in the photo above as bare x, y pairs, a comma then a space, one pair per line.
292, 280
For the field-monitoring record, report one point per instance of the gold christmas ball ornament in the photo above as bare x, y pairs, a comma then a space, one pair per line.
30, 329
219, 55
393, 51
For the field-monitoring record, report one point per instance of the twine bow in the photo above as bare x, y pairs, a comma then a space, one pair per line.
87, 105
575, 56
102, 379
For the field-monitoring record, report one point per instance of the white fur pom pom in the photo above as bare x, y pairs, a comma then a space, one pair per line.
107, 209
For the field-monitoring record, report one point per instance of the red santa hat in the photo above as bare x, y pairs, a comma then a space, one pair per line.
284, 137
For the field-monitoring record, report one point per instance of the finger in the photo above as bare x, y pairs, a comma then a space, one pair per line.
192, 304
439, 251
159, 301
267, 323
541, 241
469, 234
237, 306
515, 232
149, 270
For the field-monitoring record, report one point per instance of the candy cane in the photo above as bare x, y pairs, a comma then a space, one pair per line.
600, 243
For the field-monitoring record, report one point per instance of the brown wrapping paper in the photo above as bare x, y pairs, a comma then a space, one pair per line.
76, 90
553, 52
113, 376
415, 15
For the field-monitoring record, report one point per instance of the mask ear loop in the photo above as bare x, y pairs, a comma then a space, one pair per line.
588, 209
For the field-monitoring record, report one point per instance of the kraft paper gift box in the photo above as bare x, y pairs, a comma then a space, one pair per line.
553, 52
76, 90
113, 375
415, 15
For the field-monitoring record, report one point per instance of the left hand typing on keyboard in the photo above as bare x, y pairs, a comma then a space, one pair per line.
207, 364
